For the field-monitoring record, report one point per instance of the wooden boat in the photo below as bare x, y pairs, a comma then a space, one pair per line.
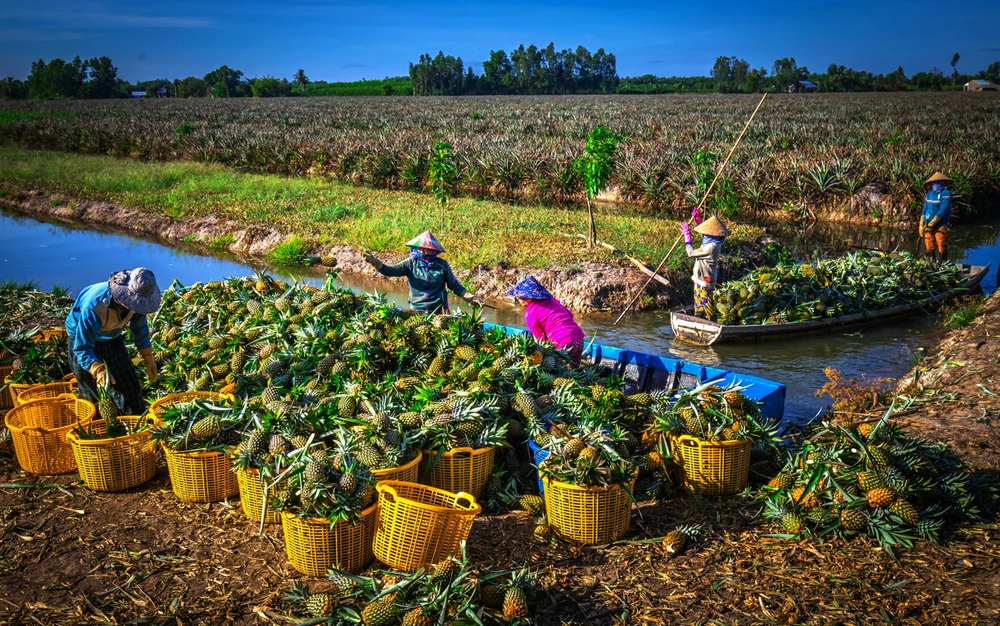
705, 332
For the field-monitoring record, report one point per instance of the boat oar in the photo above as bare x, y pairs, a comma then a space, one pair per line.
700, 205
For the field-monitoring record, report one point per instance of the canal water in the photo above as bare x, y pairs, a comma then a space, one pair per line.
61, 254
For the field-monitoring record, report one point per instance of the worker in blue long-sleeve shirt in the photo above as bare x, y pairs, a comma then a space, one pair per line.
936, 216
97, 351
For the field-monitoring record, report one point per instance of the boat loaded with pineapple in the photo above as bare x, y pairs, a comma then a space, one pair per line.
857, 289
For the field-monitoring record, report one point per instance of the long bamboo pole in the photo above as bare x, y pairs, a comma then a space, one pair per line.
700, 205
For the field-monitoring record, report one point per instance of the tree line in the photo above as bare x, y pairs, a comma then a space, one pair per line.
526, 70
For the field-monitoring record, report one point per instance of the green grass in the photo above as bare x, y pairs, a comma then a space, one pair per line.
290, 253
963, 311
321, 213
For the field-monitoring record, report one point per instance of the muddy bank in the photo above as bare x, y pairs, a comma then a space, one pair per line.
962, 373
589, 286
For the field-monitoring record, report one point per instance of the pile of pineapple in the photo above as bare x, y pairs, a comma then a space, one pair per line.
858, 282
876, 479
201, 426
716, 414
454, 591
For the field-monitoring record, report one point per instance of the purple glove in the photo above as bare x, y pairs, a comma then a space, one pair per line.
686, 232
696, 216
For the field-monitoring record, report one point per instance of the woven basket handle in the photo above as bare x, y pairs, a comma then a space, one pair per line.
459, 452
388, 491
471, 506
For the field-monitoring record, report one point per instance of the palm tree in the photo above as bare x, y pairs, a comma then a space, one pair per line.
301, 80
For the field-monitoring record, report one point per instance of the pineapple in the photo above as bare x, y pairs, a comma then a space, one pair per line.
417, 617
880, 458
905, 511
347, 406
641, 400
515, 601
344, 585
380, 613
572, 448
676, 540
438, 366
587, 454
734, 399
321, 604
532, 504
278, 445
348, 482
543, 533
258, 441
410, 419
366, 454
465, 352
106, 406
206, 428
880, 498
783, 480
492, 595
806, 502
853, 519
524, 403
793, 523
868, 481
444, 571
325, 366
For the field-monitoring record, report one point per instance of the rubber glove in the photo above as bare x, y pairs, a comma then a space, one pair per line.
932, 225
696, 216
100, 374
686, 232
147, 356
371, 260
920, 230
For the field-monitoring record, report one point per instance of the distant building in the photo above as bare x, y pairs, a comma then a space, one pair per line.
802, 86
138, 94
981, 85
161, 92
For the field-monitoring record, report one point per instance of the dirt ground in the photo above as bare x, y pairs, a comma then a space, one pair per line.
72, 556
963, 371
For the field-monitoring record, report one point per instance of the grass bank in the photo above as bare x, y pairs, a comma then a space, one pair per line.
324, 214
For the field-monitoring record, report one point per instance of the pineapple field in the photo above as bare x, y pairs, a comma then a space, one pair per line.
864, 156
316, 393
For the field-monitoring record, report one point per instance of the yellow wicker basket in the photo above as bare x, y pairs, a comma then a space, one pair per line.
39, 428
27, 393
588, 515
187, 396
420, 525
314, 546
50, 334
405, 473
6, 399
252, 497
201, 476
711, 469
116, 464
461, 469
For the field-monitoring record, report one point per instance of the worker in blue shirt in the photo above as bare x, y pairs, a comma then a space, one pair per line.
936, 216
97, 352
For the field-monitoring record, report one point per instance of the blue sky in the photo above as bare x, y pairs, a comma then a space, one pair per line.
349, 41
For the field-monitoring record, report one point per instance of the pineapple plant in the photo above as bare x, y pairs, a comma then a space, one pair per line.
677, 540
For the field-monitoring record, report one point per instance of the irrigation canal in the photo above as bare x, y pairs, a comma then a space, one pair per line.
60, 254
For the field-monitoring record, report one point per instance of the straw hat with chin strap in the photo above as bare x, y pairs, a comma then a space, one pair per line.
938, 177
712, 227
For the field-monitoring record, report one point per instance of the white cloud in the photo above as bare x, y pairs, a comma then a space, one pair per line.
24, 34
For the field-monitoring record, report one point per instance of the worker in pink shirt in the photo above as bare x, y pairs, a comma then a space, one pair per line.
548, 320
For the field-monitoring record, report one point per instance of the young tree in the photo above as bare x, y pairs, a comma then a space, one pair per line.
595, 167
954, 67
442, 174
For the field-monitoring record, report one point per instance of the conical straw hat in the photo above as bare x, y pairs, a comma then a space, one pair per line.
712, 227
425, 240
938, 177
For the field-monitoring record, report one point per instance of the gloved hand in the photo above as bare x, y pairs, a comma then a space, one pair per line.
686, 233
696, 216
100, 374
932, 225
147, 356
920, 230
473, 300
371, 260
